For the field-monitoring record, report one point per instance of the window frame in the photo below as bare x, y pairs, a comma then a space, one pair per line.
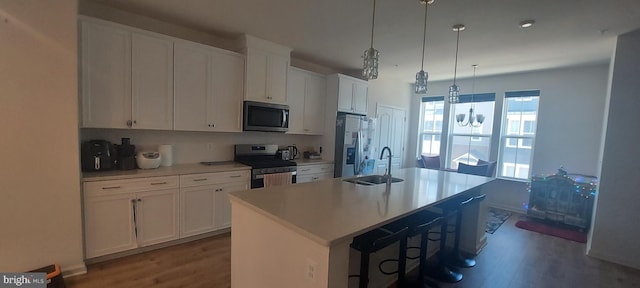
438, 100
473, 137
506, 138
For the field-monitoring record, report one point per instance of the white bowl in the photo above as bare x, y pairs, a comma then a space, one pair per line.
148, 160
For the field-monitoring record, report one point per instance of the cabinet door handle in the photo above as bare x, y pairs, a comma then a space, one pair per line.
159, 183
111, 187
235, 176
200, 179
135, 220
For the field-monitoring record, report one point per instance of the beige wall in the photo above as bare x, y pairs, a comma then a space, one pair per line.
39, 178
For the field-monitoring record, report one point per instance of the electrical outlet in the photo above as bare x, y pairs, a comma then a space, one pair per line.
311, 270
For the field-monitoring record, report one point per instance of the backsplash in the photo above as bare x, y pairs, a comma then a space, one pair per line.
194, 147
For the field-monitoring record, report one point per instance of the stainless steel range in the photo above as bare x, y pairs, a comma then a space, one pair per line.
262, 159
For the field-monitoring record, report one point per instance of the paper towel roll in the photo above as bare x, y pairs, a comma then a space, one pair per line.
166, 153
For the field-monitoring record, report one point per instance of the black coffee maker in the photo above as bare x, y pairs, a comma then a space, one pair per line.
126, 155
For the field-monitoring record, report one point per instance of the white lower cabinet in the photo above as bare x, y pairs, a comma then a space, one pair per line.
314, 172
204, 199
126, 214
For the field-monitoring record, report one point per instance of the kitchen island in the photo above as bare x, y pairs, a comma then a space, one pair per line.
299, 235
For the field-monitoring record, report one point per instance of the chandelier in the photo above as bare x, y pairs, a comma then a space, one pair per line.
370, 70
454, 90
475, 120
422, 76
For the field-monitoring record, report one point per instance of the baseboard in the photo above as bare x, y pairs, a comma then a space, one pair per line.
519, 210
156, 246
75, 270
609, 258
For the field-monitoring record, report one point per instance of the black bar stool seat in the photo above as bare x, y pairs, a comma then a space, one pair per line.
375, 240
419, 224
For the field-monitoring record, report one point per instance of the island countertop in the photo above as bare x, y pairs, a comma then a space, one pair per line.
333, 210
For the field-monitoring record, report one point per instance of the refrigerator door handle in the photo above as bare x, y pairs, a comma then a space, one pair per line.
356, 155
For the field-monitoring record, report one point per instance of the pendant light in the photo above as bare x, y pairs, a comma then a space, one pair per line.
422, 76
370, 70
454, 90
475, 120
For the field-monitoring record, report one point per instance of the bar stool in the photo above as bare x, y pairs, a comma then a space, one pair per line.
443, 272
373, 241
418, 224
456, 258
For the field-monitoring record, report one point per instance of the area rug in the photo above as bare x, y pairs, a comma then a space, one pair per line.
495, 218
552, 229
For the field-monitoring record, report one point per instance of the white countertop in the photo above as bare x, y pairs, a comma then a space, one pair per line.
180, 169
332, 210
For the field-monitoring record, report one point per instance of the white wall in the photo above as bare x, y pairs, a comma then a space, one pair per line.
570, 121
39, 177
615, 232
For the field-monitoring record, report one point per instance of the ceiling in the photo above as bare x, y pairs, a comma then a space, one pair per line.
335, 33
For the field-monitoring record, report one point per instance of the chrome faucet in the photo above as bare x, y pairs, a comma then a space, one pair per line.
388, 173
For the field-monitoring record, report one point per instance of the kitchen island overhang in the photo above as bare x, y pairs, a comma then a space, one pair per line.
299, 235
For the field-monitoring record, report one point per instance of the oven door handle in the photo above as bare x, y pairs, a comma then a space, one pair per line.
261, 176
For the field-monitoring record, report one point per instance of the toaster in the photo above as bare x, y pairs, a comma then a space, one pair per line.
97, 155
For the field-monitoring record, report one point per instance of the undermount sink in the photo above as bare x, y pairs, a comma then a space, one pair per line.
372, 180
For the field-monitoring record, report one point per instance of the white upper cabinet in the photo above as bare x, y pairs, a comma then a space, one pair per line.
352, 93
152, 82
106, 75
306, 93
127, 77
208, 88
266, 70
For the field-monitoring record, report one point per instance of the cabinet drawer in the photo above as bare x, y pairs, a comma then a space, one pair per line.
214, 178
315, 169
130, 185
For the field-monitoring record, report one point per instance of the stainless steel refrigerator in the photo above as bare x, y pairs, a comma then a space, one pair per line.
355, 150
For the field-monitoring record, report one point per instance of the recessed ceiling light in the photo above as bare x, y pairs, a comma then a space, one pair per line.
527, 23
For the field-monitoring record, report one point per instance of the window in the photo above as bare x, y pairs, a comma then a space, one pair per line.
431, 125
468, 144
518, 135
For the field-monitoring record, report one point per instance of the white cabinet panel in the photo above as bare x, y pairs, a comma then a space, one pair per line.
266, 70
228, 75
106, 75
127, 77
208, 88
306, 93
127, 214
109, 226
197, 210
157, 216
296, 100
314, 105
223, 205
352, 94
360, 97
152, 81
192, 87
205, 205
314, 172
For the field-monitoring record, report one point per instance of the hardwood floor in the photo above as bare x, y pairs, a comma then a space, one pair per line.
513, 258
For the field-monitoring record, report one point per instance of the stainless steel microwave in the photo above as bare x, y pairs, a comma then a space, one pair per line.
259, 116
